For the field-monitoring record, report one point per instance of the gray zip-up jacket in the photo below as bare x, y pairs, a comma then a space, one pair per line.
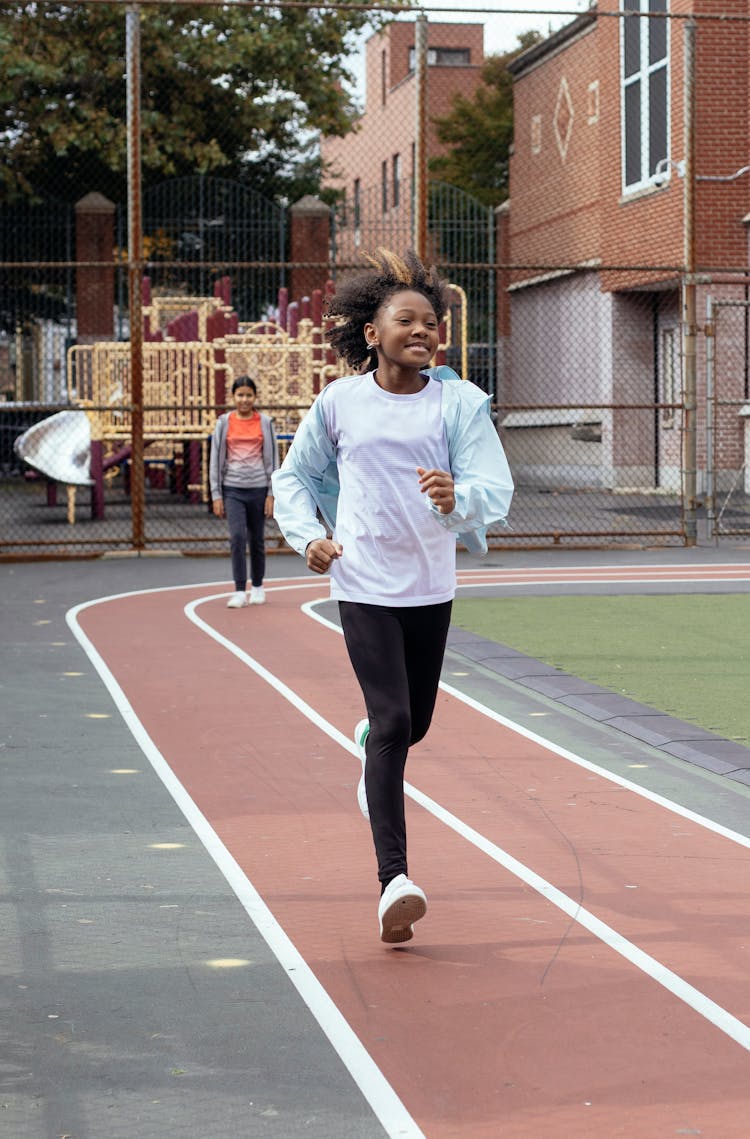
218, 463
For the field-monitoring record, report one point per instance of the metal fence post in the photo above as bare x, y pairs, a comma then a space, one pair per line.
689, 313
420, 136
710, 381
135, 269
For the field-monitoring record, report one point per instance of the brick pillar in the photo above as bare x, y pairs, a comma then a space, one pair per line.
95, 287
310, 228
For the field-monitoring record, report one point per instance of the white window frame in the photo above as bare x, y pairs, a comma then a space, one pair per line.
642, 76
443, 57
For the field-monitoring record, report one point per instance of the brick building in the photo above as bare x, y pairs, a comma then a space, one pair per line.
374, 164
598, 218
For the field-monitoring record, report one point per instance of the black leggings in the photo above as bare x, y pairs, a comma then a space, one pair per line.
245, 511
397, 654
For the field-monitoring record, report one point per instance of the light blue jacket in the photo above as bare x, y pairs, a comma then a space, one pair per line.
308, 481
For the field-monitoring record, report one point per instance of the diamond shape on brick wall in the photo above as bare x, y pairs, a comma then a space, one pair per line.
563, 118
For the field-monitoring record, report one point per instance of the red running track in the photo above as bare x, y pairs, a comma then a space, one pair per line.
582, 969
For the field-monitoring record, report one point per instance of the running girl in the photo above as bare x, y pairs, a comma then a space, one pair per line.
398, 460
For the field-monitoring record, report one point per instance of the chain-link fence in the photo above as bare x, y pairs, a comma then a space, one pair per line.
727, 410
219, 215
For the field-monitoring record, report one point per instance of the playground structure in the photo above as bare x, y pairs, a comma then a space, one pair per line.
193, 349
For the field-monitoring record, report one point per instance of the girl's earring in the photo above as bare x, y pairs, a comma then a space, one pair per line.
370, 347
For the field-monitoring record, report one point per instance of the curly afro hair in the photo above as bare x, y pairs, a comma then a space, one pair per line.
358, 299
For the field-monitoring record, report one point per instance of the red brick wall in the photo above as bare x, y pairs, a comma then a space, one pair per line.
554, 170
568, 205
722, 98
387, 127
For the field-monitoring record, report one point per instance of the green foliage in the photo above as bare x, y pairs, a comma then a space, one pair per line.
479, 132
235, 92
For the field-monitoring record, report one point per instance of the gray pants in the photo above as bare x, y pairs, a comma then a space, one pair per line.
244, 508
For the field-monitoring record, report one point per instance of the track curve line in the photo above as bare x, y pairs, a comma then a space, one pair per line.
507, 1015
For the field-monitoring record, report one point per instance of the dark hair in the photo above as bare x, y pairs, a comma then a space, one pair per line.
358, 299
244, 382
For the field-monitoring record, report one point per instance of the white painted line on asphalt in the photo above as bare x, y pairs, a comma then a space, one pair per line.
736, 1029
386, 1105
564, 753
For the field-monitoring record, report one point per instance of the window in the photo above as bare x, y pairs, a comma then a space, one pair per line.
383, 84
442, 57
644, 54
384, 186
396, 188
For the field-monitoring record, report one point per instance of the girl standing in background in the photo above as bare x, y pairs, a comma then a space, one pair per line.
244, 455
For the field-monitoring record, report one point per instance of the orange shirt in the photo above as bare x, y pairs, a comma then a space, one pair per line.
245, 452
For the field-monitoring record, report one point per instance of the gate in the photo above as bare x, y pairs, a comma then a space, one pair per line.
195, 229
727, 422
36, 300
461, 241
462, 236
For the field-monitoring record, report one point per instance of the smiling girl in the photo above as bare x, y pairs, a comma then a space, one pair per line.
398, 460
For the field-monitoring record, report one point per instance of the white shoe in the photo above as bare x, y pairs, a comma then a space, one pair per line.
401, 904
237, 601
361, 732
257, 595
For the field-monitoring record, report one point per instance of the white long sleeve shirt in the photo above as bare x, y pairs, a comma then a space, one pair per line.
315, 476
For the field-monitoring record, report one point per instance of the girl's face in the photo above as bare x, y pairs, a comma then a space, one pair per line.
405, 330
244, 400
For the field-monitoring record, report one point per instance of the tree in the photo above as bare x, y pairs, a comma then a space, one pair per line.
232, 91
479, 131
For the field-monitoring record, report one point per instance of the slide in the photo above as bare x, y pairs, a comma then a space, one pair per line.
59, 448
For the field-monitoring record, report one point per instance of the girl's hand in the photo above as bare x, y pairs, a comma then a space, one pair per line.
320, 553
218, 507
439, 486
268, 507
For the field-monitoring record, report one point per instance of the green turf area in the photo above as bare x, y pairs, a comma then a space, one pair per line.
686, 655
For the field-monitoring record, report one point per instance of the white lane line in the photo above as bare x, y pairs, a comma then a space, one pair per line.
603, 567
600, 579
564, 753
385, 1103
720, 1017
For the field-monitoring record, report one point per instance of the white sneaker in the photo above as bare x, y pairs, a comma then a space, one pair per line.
237, 601
361, 732
257, 595
401, 904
